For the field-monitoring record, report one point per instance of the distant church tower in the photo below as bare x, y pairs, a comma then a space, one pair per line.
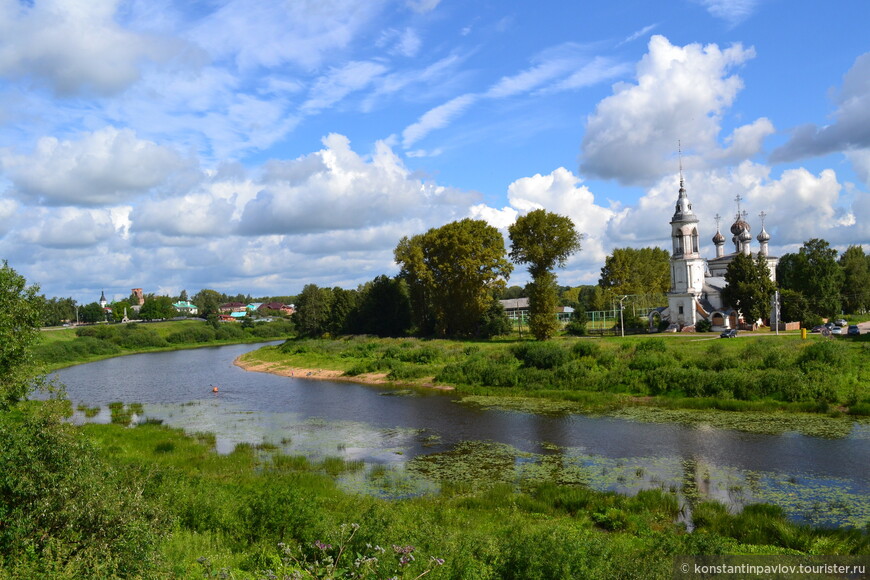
103, 300
687, 265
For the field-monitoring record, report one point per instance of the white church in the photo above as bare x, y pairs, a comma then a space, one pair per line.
697, 283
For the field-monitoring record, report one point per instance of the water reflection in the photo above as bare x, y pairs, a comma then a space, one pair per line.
814, 478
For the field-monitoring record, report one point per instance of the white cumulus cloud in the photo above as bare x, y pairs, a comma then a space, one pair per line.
680, 95
105, 167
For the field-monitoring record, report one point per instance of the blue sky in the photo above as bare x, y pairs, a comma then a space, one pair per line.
256, 147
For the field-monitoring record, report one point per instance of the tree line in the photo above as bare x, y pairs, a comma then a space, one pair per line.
449, 283
57, 311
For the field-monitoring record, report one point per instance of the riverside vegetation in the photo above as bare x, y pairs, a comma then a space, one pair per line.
60, 348
149, 502
753, 373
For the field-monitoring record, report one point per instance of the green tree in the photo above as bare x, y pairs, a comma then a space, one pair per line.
119, 308
636, 271
815, 273
384, 307
91, 313
56, 311
313, 311
157, 308
344, 304
495, 321
543, 240
20, 319
513, 292
856, 280
452, 274
750, 288
793, 307
208, 302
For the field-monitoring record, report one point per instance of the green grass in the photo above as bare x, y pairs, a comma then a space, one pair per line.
60, 348
761, 372
232, 511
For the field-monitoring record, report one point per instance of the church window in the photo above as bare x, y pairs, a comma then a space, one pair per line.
695, 240
681, 309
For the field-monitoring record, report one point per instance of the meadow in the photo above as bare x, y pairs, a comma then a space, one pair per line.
164, 505
68, 346
760, 372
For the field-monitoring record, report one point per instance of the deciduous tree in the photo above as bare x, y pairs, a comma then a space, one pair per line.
543, 240
636, 271
856, 280
453, 273
815, 273
313, 310
20, 320
750, 288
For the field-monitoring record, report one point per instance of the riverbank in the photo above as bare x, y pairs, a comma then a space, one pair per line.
231, 512
67, 347
762, 374
247, 363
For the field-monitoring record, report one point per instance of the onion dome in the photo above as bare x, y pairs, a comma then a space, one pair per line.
718, 238
745, 236
763, 236
739, 226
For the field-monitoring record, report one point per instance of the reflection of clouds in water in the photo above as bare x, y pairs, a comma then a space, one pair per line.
819, 500
313, 437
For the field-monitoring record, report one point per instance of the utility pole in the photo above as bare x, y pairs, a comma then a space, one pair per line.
621, 317
776, 309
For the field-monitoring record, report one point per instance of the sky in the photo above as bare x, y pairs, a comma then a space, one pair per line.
256, 147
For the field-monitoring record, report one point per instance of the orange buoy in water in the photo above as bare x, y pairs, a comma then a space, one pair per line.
214, 390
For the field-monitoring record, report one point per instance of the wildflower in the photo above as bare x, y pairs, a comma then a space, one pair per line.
320, 545
437, 561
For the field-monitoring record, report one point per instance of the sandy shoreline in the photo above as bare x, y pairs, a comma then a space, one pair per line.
327, 374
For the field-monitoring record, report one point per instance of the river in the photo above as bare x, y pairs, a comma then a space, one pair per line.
820, 480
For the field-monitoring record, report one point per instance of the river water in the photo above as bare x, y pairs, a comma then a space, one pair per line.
820, 480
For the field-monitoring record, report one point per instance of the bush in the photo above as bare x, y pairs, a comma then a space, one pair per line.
583, 348
703, 326
140, 337
229, 332
64, 511
540, 355
192, 334
824, 353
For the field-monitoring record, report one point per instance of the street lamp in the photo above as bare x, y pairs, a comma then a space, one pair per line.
621, 318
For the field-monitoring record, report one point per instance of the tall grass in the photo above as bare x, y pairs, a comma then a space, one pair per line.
231, 512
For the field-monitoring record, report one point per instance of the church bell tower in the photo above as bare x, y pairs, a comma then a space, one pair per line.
687, 265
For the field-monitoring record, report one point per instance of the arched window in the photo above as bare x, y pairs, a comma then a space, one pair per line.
695, 240
678, 244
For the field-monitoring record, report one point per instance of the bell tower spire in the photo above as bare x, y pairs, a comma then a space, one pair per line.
687, 265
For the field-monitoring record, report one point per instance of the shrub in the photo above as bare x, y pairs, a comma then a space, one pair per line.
540, 355
652, 345
140, 337
229, 332
825, 353
583, 348
65, 510
192, 334
703, 326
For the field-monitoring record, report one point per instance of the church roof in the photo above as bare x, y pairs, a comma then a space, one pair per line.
714, 283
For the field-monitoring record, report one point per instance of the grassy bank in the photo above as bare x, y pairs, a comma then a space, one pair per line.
760, 373
70, 346
206, 515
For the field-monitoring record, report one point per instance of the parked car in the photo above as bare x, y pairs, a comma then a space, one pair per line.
841, 322
854, 330
729, 333
837, 330
818, 328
